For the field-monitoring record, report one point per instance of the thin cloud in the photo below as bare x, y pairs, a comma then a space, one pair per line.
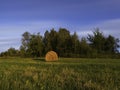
111, 27
7, 43
10, 35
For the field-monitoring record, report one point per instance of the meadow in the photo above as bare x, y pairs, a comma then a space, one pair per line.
65, 74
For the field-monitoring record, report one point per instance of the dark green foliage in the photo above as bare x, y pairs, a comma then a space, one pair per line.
64, 42
32, 45
25, 42
10, 52
103, 45
97, 40
111, 45
84, 49
35, 46
50, 41
96, 45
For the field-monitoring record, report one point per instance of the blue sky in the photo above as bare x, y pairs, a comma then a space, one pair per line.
82, 16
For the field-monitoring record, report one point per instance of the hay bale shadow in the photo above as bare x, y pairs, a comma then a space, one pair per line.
39, 59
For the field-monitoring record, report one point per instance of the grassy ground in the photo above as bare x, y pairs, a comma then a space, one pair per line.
65, 74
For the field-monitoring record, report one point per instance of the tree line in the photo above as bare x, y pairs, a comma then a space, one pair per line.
95, 45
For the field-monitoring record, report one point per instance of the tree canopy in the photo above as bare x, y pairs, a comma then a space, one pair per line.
67, 44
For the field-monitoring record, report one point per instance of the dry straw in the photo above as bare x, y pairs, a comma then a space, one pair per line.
51, 56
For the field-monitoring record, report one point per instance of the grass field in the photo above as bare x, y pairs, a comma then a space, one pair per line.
65, 74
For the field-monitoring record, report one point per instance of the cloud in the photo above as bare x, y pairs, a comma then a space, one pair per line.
16, 29
11, 33
7, 43
108, 27
111, 27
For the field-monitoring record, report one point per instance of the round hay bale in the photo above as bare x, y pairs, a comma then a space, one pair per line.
51, 56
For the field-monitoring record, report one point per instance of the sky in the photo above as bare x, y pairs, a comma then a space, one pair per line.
81, 16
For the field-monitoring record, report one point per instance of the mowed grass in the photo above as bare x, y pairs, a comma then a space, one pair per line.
65, 74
